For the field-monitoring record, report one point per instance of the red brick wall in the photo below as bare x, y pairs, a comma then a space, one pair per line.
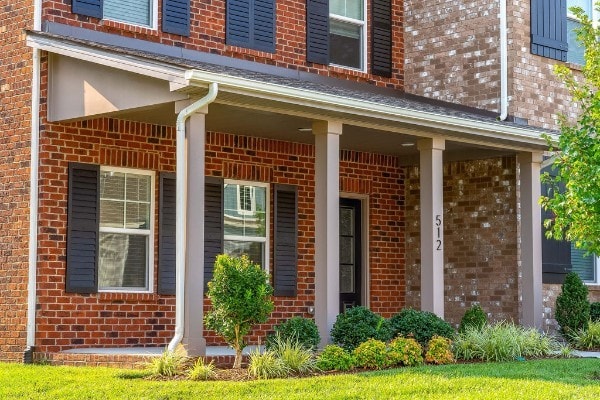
15, 134
112, 319
453, 53
480, 238
208, 35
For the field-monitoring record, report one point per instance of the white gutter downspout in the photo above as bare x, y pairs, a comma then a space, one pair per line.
33, 189
503, 63
181, 210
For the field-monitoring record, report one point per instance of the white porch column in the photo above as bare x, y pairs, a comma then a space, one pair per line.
432, 225
193, 339
531, 238
327, 200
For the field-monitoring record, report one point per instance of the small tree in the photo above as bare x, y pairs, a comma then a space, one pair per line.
241, 297
572, 306
576, 205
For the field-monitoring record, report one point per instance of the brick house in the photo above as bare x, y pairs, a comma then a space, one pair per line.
373, 152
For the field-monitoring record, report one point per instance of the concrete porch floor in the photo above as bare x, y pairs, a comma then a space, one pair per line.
211, 351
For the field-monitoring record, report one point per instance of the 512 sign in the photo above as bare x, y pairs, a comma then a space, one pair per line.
438, 232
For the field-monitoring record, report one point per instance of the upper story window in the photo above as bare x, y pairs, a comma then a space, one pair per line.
245, 208
576, 50
144, 13
126, 227
135, 12
347, 33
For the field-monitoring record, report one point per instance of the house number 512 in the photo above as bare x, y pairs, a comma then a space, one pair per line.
438, 232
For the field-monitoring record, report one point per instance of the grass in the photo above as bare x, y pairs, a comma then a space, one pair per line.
538, 379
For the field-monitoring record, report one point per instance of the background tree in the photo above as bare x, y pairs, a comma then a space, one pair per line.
577, 162
241, 298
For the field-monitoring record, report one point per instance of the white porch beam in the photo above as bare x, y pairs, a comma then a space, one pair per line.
531, 238
432, 224
327, 200
193, 338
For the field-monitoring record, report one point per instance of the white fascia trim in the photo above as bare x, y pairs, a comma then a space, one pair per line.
153, 69
365, 108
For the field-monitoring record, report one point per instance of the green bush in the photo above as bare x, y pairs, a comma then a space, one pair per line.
503, 341
335, 358
588, 339
371, 354
474, 317
422, 325
405, 351
240, 295
595, 312
572, 306
169, 363
201, 371
357, 325
296, 357
267, 365
303, 330
439, 351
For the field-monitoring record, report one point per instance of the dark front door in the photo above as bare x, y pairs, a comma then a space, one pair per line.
350, 253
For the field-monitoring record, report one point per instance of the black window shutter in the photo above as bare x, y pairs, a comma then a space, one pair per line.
213, 225
317, 31
556, 255
91, 8
285, 269
549, 29
166, 233
381, 38
83, 222
251, 24
176, 17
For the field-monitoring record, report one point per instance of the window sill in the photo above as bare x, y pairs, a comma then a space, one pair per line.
125, 27
575, 67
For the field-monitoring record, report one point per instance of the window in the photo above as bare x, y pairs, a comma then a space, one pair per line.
175, 13
125, 257
347, 36
576, 50
245, 207
585, 266
135, 12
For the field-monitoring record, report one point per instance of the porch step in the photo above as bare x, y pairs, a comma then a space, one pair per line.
130, 357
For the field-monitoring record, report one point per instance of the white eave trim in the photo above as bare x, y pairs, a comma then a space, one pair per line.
153, 69
180, 77
329, 102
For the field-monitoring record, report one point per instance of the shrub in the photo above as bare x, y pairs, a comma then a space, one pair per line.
595, 312
474, 317
439, 351
296, 357
572, 306
422, 325
357, 325
241, 297
169, 363
302, 330
335, 358
201, 371
266, 365
371, 354
405, 351
590, 338
503, 342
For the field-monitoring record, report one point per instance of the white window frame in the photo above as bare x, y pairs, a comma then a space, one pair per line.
265, 239
572, 17
363, 24
153, 17
596, 280
129, 231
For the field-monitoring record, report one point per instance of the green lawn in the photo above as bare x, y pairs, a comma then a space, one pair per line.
542, 379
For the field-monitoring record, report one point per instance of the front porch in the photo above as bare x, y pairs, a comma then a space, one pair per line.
448, 198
